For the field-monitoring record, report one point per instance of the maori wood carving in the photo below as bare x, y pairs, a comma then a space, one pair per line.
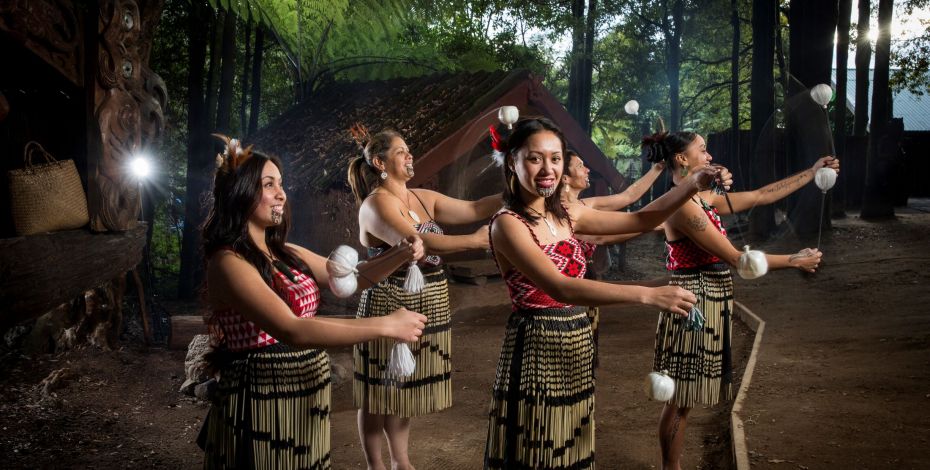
51, 29
129, 102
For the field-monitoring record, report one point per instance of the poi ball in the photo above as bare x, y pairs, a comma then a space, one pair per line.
631, 107
752, 264
508, 115
825, 178
659, 386
342, 272
821, 94
342, 261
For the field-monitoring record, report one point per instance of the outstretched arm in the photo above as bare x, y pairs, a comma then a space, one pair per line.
594, 222
692, 222
631, 194
373, 271
234, 283
449, 210
381, 217
770, 193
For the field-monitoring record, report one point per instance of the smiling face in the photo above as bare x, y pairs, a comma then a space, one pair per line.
270, 208
397, 160
539, 164
577, 175
695, 156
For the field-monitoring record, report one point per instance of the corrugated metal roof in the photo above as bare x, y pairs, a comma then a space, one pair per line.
914, 109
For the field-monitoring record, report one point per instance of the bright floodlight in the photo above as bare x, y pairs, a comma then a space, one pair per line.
140, 166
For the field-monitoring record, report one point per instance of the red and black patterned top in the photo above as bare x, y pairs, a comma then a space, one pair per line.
684, 253
302, 295
567, 255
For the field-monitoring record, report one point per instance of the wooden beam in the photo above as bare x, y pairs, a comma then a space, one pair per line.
40, 272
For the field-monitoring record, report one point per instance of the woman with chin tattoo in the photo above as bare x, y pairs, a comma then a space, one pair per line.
389, 212
273, 404
542, 402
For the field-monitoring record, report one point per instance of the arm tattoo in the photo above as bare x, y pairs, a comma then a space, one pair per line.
697, 222
791, 181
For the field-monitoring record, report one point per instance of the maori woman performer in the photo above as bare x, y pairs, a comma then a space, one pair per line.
388, 213
699, 259
273, 404
542, 404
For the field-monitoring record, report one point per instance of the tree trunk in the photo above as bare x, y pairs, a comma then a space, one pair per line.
576, 61
813, 26
838, 195
587, 67
244, 86
227, 76
256, 94
877, 199
734, 89
762, 109
673, 34
198, 167
213, 76
863, 62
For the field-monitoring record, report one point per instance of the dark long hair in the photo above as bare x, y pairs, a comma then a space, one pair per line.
522, 131
363, 176
569, 156
236, 194
663, 146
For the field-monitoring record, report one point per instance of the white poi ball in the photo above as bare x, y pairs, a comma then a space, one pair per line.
752, 264
508, 115
825, 178
342, 261
821, 94
341, 267
631, 107
659, 386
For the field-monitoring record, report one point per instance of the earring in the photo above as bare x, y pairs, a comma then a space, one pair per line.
383, 175
684, 171
512, 183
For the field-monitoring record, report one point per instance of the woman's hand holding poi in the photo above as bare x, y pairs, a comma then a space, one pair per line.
724, 178
703, 179
807, 259
414, 247
827, 162
672, 299
404, 325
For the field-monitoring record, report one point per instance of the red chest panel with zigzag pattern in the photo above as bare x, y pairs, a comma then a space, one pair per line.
568, 255
302, 296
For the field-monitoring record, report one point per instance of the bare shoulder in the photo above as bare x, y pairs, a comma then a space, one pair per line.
688, 215
506, 222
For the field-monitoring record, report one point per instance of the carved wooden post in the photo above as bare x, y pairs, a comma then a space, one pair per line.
129, 100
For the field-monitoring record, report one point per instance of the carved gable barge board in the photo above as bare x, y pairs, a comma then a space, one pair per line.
51, 29
40, 272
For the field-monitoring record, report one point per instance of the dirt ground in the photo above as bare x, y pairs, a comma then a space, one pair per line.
842, 379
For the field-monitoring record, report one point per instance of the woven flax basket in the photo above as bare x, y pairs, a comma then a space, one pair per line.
48, 196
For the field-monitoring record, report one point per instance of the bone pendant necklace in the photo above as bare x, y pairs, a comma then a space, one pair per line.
546, 220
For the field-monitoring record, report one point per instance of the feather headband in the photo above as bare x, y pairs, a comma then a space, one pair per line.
233, 155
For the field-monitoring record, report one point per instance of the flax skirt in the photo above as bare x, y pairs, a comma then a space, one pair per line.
542, 403
429, 389
699, 361
272, 411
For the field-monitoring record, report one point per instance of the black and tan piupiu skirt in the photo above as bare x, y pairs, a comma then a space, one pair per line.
699, 361
429, 389
542, 403
272, 411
